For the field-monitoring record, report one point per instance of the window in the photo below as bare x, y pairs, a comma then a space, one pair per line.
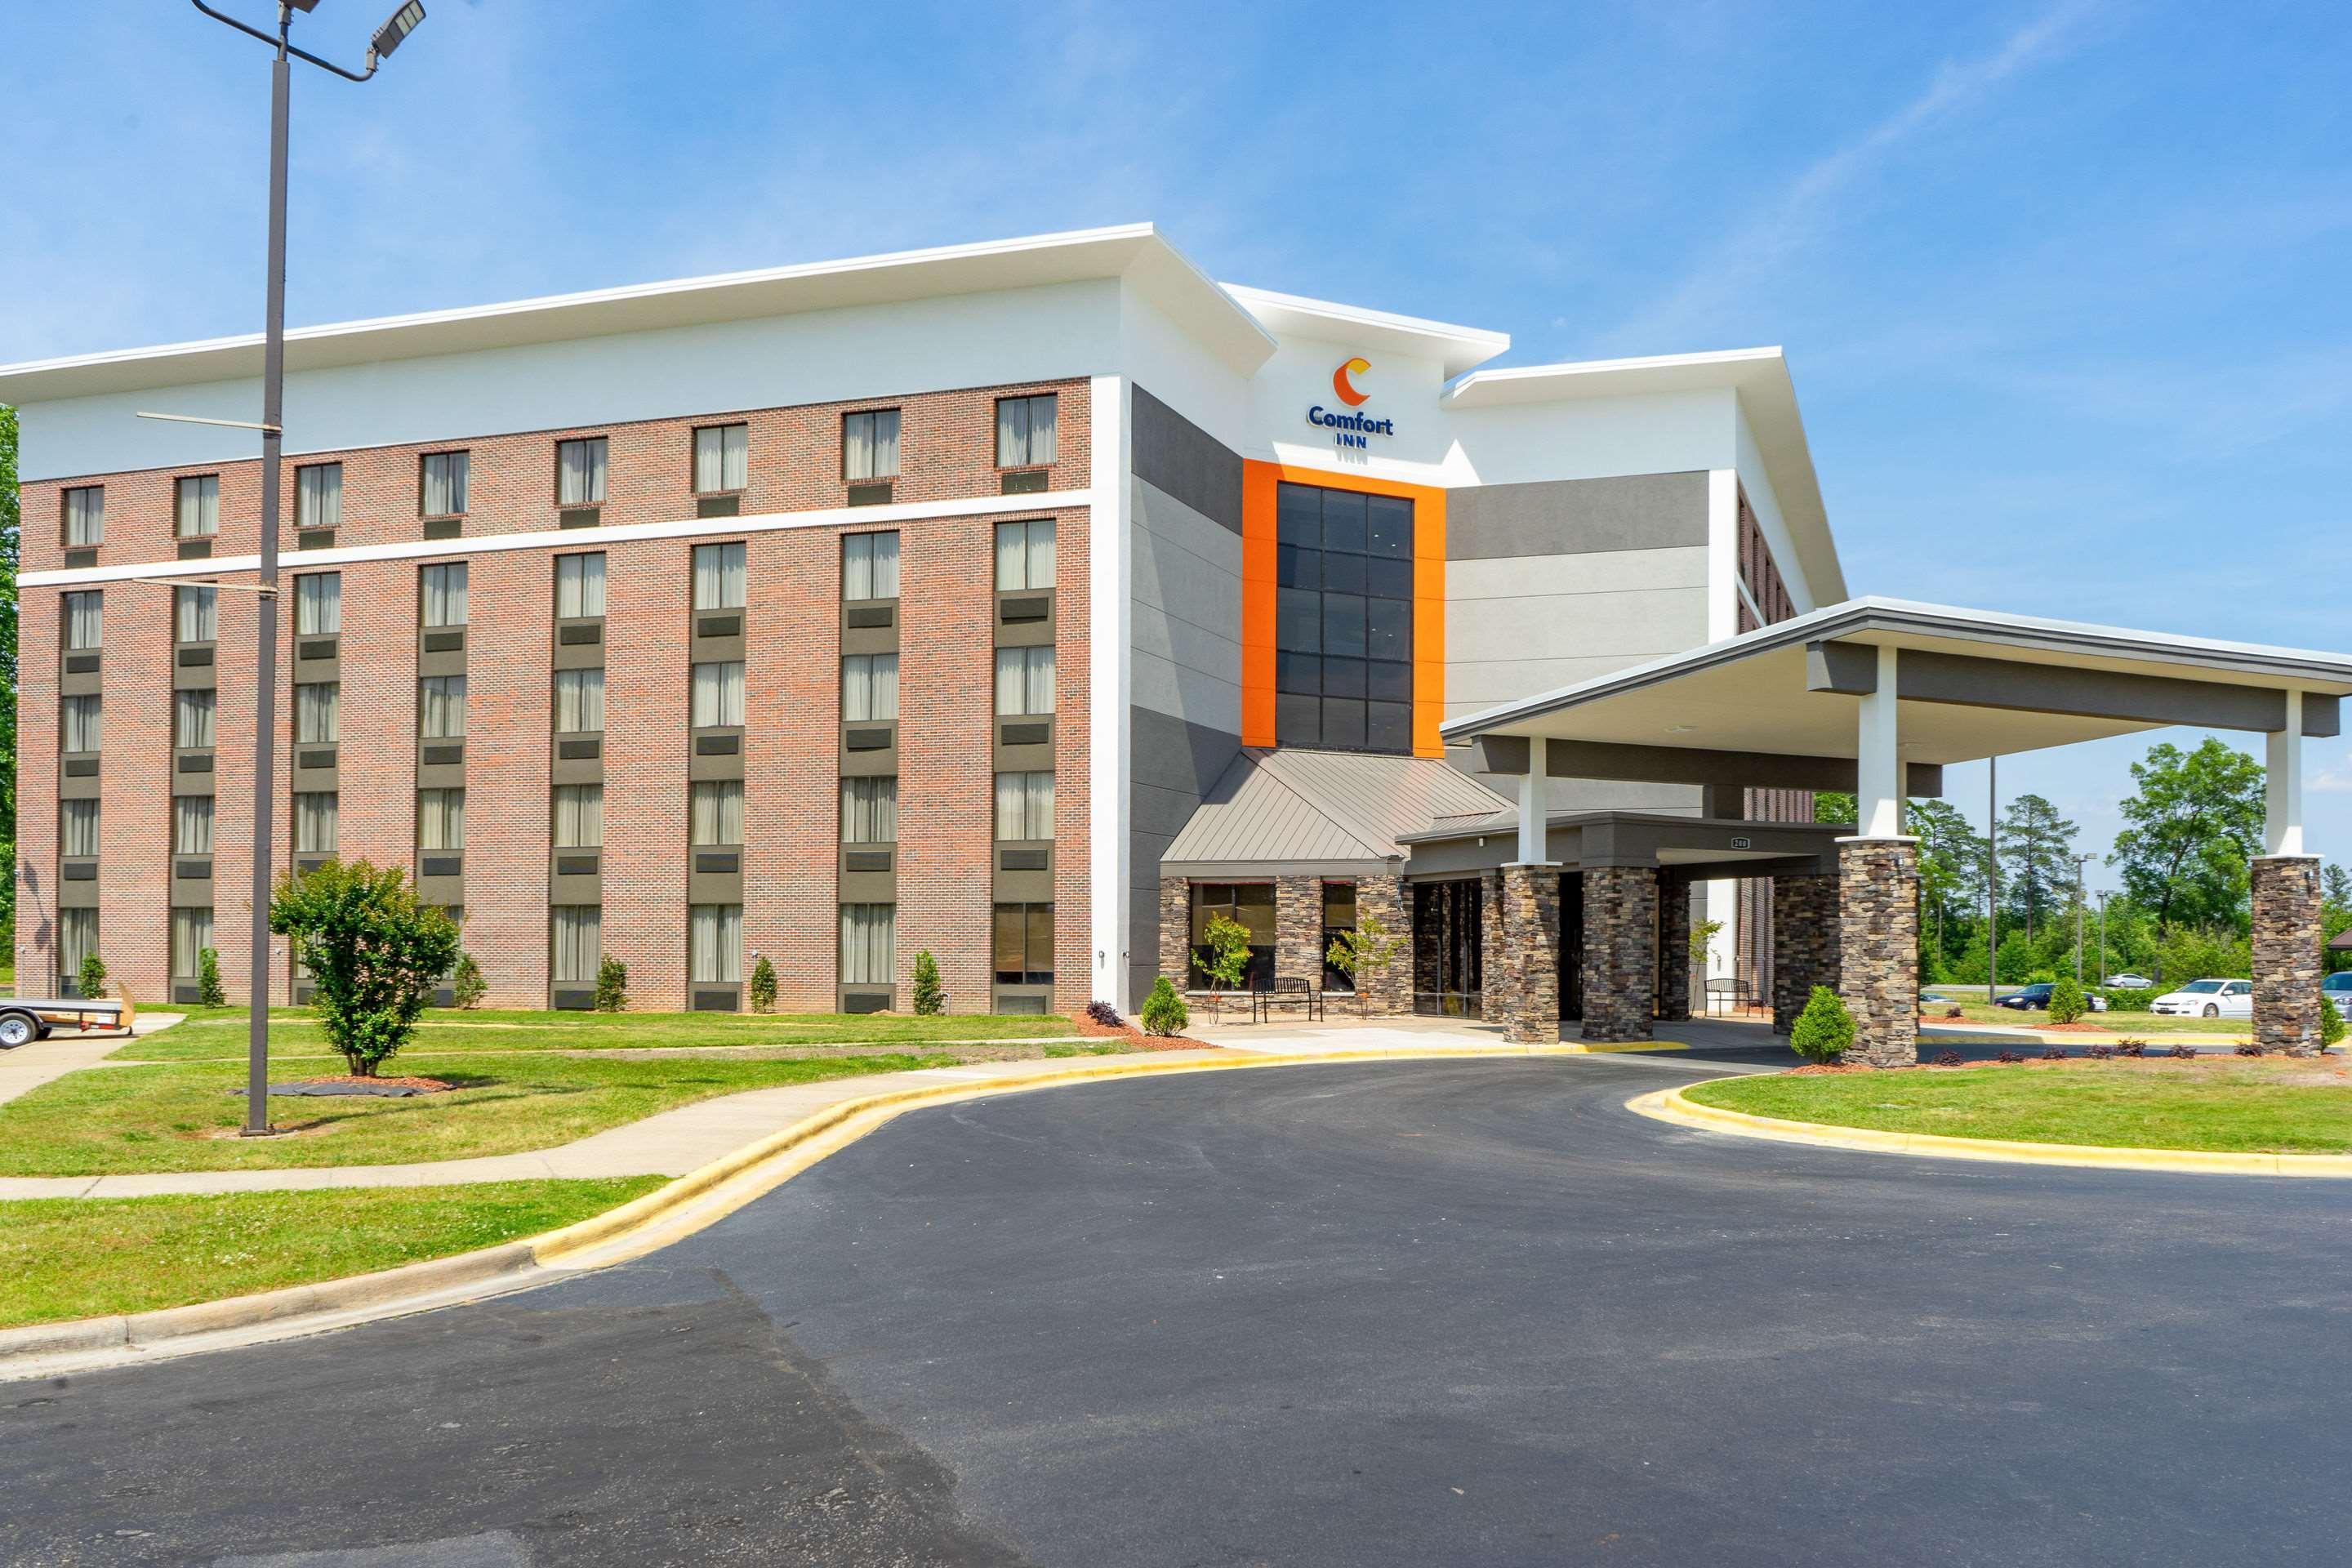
869, 944
192, 824
715, 812
869, 566
719, 576
314, 822
869, 445
579, 586
441, 486
1025, 431
869, 811
441, 707
85, 621
195, 614
441, 594
78, 827
1025, 680
580, 472
579, 701
1338, 915
191, 726
1023, 947
1024, 806
714, 943
1250, 905
319, 604
192, 933
721, 457
318, 711
82, 511
1343, 620
77, 940
318, 496
441, 819
718, 694
78, 725
1025, 555
579, 817
576, 935
869, 687
198, 503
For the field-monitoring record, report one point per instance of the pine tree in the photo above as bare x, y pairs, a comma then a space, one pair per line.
929, 999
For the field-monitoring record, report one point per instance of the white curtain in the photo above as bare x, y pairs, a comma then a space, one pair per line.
85, 510
192, 932
580, 472
869, 687
195, 614
78, 827
199, 506
77, 940
1025, 807
869, 944
579, 817
319, 604
869, 566
579, 701
80, 725
445, 483
1025, 555
442, 593
85, 620
580, 585
440, 819
719, 577
717, 694
717, 814
318, 711
578, 939
441, 707
1025, 680
869, 811
191, 824
314, 822
869, 445
721, 457
193, 712
715, 943
318, 496
1025, 431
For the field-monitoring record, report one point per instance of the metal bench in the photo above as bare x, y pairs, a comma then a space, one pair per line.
1289, 990
1729, 995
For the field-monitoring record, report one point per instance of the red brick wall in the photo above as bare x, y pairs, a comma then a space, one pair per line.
947, 781
647, 723
135, 791
509, 601
1074, 952
792, 703
375, 756
37, 792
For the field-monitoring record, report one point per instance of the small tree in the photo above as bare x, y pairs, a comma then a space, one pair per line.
1824, 1029
1703, 935
611, 984
1360, 954
929, 999
763, 985
2331, 1022
89, 980
2067, 1002
1164, 1012
1229, 953
209, 990
375, 953
466, 986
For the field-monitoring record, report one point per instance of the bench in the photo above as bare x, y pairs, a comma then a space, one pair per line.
1286, 992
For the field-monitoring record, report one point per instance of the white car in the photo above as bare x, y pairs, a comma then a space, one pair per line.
2130, 982
2207, 999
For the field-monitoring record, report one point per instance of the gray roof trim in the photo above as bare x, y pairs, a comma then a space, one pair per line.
1301, 808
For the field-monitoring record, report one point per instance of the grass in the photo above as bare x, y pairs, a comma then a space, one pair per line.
2116, 1022
2238, 1105
80, 1258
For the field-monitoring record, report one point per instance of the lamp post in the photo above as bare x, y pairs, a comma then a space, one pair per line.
2103, 938
387, 38
2078, 922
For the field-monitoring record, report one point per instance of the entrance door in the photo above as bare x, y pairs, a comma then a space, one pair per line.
1571, 958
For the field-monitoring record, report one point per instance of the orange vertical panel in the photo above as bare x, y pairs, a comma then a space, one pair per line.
1428, 622
1258, 481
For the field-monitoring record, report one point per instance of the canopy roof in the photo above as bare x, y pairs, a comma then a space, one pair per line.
1301, 811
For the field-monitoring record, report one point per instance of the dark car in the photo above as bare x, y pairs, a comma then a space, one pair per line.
2035, 998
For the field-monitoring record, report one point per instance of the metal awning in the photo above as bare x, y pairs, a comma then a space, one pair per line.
1294, 812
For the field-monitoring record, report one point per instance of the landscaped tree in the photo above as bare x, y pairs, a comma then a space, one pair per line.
1702, 937
930, 1000
2037, 858
209, 990
1164, 1012
1824, 1030
2066, 1001
2194, 821
466, 984
374, 952
1360, 954
89, 980
763, 985
611, 984
1229, 953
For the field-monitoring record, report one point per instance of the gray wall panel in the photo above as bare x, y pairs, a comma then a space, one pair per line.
1558, 517
1171, 765
1187, 462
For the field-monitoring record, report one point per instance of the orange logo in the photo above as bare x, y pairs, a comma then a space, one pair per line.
1344, 388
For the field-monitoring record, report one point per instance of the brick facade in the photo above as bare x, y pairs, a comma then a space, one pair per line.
1531, 951
1175, 932
1806, 933
1878, 948
1621, 913
1674, 947
1499, 987
2287, 950
1298, 932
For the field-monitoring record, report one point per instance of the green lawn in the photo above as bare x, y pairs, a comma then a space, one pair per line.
2231, 1103
81, 1257
2141, 1024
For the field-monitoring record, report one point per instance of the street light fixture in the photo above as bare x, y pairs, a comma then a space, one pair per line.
273, 400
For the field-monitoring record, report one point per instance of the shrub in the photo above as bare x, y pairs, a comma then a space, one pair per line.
1360, 954
1950, 1060
1956, 1012
929, 1000
2183, 1053
1824, 1030
611, 984
2128, 999
2132, 1048
763, 985
2055, 1053
1229, 953
1164, 1012
209, 990
2250, 1047
1105, 1015
2009, 1056
2331, 1022
466, 986
375, 953
2067, 1003
89, 980
2099, 1053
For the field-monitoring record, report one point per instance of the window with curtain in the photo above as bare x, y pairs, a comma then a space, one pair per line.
580, 472
722, 458
78, 725
1024, 806
869, 566
1343, 620
579, 817
869, 445
714, 941
869, 944
314, 822
576, 936
579, 586
192, 824
318, 495
579, 701
869, 687
319, 604
441, 486
1022, 945
77, 940
719, 576
441, 594
192, 726
441, 707
718, 694
192, 932
715, 812
1025, 680
196, 503
869, 811
85, 620
83, 515
441, 819
318, 711
1025, 430
1025, 555
78, 827
195, 615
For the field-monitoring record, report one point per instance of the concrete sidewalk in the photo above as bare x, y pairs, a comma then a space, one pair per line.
28, 1066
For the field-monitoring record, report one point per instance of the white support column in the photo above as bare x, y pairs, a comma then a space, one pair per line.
1109, 607
2282, 784
1878, 781
1534, 806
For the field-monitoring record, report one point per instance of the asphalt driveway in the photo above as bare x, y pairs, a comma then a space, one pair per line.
1416, 1312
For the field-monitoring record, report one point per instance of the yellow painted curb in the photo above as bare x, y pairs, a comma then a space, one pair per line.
1618, 1048
1668, 1105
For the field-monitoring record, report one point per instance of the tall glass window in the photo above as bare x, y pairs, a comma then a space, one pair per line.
78, 725
196, 506
722, 458
579, 817
718, 694
579, 701
869, 566
580, 472
1025, 555
441, 594
77, 940
1022, 945
869, 445
192, 824
319, 604
714, 937
85, 620
441, 707
192, 933
869, 944
441, 819
1024, 806
719, 576
78, 827
1025, 430
869, 687
576, 941
318, 495
1025, 680
195, 614
441, 483
1249, 905
715, 812
869, 811
580, 585
314, 822
318, 712
192, 712
1343, 620
82, 514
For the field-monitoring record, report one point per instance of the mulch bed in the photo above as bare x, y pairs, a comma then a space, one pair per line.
1132, 1038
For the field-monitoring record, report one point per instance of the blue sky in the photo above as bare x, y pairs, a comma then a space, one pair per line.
2063, 286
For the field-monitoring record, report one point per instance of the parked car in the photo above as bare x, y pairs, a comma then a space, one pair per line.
2207, 999
2130, 982
2036, 998
2337, 988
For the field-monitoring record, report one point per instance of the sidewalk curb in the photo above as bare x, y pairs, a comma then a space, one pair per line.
1668, 1105
691, 1203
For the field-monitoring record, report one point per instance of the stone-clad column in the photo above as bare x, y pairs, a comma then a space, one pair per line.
1387, 991
1878, 948
1532, 951
2286, 953
1805, 941
1621, 913
1497, 979
1673, 949
1298, 929
1175, 931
